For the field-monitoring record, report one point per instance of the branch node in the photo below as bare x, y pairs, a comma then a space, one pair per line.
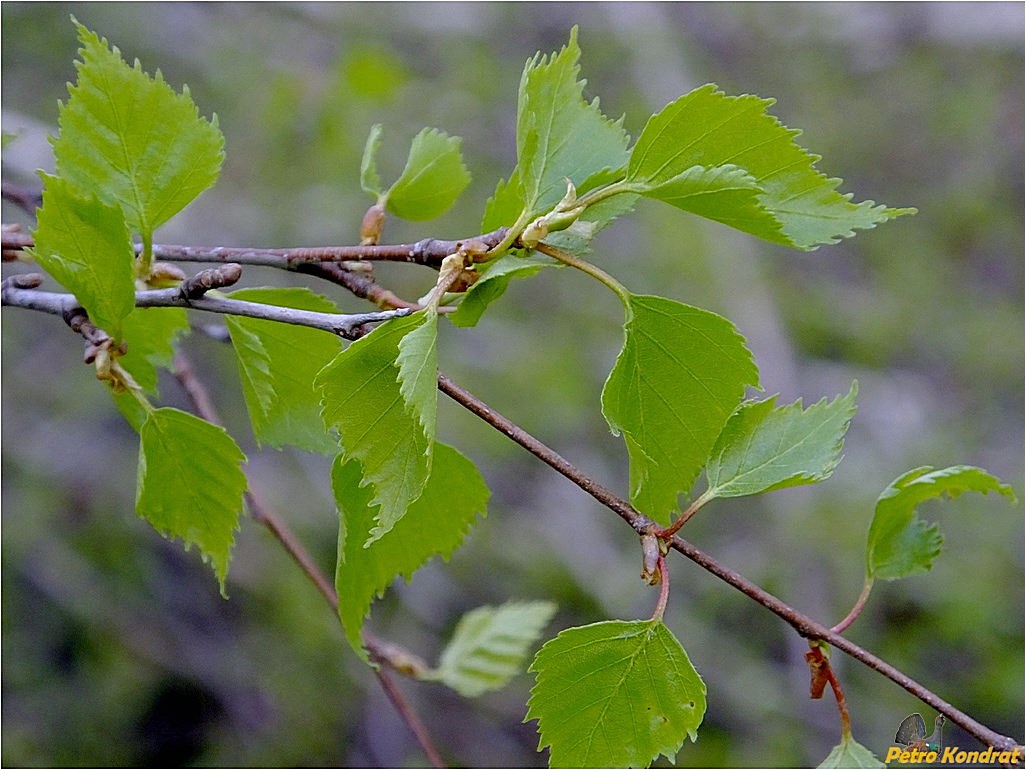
213, 278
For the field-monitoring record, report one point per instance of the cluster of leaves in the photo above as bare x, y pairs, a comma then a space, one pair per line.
131, 153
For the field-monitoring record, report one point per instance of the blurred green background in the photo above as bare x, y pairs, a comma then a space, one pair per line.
117, 649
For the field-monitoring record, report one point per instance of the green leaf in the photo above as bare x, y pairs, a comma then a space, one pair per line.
681, 373
190, 483
615, 694
132, 140
851, 753
726, 158
278, 364
433, 178
494, 280
84, 244
418, 372
435, 524
763, 448
361, 396
370, 182
900, 543
150, 334
559, 134
488, 646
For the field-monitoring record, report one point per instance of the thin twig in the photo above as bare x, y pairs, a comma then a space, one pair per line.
804, 625
430, 251
342, 324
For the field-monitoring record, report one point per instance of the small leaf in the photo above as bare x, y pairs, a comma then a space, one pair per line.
370, 182
560, 135
150, 334
492, 284
851, 753
132, 140
488, 646
278, 364
435, 524
190, 483
361, 396
433, 178
615, 694
84, 244
726, 158
763, 448
418, 372
900, 543
681, 373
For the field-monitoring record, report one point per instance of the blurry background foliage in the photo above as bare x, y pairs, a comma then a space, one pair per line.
116, 646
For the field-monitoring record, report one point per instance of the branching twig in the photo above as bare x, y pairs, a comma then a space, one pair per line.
804, 625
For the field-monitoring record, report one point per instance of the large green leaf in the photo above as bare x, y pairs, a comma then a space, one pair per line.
190, 483
559, 134
763, 448
487, 648
432, 180
726, 158
615, 694
435, 524
902, 544
681, 373
278, 364
132, 140
362, 398
84, 244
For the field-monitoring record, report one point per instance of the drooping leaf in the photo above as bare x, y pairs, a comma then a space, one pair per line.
418, 372
615, 694
361, 397
370, 182
559, 134
84, 244
488, 646
681, 373
763, 447
851, 753
190, 483
433, 178
278, 364
133, 141
900, 543
726, 158
435, 524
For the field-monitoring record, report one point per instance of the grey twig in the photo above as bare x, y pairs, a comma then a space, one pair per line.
345, 325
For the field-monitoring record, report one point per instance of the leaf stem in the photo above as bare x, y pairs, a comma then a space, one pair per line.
587, 267
860, 603
683, 519
664, 590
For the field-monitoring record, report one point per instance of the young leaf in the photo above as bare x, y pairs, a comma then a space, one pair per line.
370, 182
559, 134
615, 694
84, 244
851, 753
435, 524
681, 373
361, 396
763, 448
418, 372
132, 140
495, 277
900, 543
150, 334
278, 364
190, 483
725, 158
488, 647
433, 178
